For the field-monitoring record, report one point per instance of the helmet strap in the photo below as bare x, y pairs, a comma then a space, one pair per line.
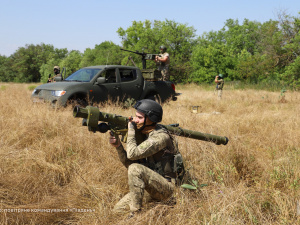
141, 129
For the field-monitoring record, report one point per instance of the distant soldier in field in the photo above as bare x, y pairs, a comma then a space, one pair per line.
56, 70
220, 83
150, 161
163, 63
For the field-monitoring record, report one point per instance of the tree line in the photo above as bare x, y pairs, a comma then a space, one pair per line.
252, 52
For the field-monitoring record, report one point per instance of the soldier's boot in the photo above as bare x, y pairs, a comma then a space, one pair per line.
123, 205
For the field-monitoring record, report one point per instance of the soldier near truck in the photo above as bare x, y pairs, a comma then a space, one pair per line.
56, 70
163, 63
150, 163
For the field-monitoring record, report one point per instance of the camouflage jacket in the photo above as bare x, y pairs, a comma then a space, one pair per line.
220, 84
156, 151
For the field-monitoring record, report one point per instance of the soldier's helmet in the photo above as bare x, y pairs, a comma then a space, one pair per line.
221, 75
150, 108
163, 47
56, 67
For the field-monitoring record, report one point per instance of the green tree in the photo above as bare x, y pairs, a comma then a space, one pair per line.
291, 30
72, 62
6, 74
241, 52
292, 75
27, 61
210, 57
106, 53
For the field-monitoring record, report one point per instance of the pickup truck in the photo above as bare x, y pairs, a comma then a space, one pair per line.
95, 84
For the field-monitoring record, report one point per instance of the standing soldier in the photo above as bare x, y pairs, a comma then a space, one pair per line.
150, 162
220, 83
56, 74
163, 62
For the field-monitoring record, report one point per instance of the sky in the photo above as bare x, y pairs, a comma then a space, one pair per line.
81, 24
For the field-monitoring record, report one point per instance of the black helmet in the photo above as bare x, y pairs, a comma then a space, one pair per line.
163, 47
150, 108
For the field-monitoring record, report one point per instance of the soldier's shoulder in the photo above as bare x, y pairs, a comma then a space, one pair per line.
160, 132
160, 129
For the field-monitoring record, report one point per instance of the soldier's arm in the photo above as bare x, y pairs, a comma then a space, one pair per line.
123, 156
121, 151
163, 58
216, 79
147, 148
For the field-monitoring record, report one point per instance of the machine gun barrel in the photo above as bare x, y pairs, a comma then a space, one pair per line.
139, 53
91, 116
135, 52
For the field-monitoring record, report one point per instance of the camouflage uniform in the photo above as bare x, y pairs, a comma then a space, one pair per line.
164, 67
52, 79
219, 88
150, 167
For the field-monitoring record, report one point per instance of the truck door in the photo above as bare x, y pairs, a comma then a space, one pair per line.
111, 89
131, 83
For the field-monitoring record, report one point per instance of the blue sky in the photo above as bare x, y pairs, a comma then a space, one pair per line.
81, 24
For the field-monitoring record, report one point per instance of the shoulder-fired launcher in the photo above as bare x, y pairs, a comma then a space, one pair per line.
118, 125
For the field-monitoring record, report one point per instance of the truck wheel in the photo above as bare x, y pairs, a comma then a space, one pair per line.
77, 101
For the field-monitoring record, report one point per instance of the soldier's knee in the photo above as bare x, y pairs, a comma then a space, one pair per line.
134, 169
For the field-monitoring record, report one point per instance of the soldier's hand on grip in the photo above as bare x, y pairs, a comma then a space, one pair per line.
114, 140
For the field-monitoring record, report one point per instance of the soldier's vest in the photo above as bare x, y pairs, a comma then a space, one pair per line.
167, 162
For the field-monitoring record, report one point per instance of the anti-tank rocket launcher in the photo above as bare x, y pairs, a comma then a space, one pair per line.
118, 125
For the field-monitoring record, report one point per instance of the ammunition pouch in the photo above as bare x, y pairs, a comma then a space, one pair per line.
168, 165
178, 168
162, 163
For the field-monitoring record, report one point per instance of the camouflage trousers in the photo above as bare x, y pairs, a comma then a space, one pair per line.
220, 94
141, 178
165, 74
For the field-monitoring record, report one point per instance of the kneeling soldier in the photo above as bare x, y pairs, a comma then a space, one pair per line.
150, 162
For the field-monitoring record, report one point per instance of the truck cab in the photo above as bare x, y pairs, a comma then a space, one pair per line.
96, 84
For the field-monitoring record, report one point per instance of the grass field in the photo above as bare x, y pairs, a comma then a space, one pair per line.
54, 171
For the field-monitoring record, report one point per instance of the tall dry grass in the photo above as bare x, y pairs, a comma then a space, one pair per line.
49, 161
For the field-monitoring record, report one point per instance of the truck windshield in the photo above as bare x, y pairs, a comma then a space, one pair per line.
83, 75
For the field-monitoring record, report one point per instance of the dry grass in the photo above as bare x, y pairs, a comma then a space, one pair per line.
49, 161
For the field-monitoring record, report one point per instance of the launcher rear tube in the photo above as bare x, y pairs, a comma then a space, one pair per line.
197, 135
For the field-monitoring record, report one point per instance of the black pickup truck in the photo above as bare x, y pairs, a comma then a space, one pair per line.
96, 84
